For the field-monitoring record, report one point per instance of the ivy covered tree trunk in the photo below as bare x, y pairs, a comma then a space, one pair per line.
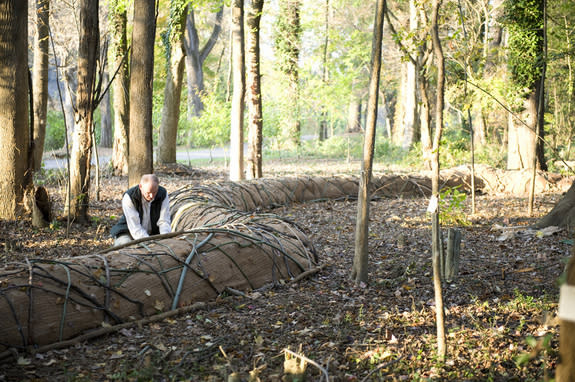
14, 129
253, 90
82, 137
524, 20
140, 158
288, 36
40, 79
120, 85
174, 41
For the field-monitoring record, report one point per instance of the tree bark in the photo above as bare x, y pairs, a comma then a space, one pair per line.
237, 113
195, 58
562, 214
407, 126
82, 137
440, 64
14, 129
140, 154
526, 49
323, 124
425, 120
120, 87
359, 271
40, 79
288, 41
167, 140
354, 114
254, 97
523, 136
106, 139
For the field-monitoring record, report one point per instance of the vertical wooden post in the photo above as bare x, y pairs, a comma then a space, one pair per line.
450, 260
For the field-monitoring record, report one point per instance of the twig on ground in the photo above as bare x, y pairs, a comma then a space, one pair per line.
111, 329
379, 367
301, 356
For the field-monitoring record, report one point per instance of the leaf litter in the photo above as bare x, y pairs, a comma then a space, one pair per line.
500, 311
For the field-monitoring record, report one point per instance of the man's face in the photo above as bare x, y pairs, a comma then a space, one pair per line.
149, 190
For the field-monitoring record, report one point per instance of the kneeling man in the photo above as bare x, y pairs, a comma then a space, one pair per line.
146, 210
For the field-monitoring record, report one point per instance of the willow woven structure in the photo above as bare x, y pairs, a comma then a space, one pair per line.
219, 242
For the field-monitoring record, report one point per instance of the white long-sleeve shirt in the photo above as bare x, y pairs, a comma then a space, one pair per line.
142, 229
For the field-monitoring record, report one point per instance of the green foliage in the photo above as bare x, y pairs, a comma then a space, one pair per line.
452, 207
287, 37
538, 348
212, 128
55, 131
119, 6
524, 20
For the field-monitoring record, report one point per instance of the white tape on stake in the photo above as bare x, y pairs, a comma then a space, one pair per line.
567, 303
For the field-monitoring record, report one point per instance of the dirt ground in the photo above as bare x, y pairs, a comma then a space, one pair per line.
500, 309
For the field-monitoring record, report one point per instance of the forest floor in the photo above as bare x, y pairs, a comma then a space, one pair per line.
500, 309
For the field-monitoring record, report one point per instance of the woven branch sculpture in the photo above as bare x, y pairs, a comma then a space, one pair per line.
219, 242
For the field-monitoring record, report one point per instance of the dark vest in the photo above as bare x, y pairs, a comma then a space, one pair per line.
136, 196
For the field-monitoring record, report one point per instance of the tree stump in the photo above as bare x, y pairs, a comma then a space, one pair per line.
41, 208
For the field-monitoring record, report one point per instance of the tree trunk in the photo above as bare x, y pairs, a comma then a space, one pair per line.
359, 271
407, 126
254, 97
195, 58
167, 140
14, 119
562, 214
288, 41
522, 136
410, 116
479, 128
323, 124
106, 139
120, 86
440, 64
40, 79
70, 99
354, 114
140, 155
526, 52
237, 113
425, 120
82, 136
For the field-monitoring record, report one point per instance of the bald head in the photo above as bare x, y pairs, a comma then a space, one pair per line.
149, 186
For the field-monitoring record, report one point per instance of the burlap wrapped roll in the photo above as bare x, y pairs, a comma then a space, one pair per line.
44, 301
